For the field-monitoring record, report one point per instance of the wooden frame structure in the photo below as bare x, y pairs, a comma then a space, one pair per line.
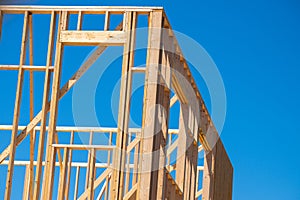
138, 162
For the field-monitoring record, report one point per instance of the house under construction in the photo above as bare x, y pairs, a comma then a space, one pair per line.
152, 161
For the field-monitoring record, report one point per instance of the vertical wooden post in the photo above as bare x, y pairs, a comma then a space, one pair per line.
152, 112
69, 168
187, 153
14, 133
117, 182
79, 20
87, 169
106, 195
184, 140
76, 182
50, 174
161, 138
127, 165
31, 107
44, 108
92, 174
136, 161
26, 183
62, 177
107, 20
208, 176
48, 180
194, 171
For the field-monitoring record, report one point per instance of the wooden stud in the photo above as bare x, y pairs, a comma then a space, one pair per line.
136, 162
107, 20
87, 170
151, 117
54, 105
124, 106
31, 106
79, 20
182, 147
50, 179
127, 165
62, 176
26, 183
44, 108
70, 83
76, 182
91, 174
161, 138
106, 195
17, 110
69, 168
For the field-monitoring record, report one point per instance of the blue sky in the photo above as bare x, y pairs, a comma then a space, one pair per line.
256, 46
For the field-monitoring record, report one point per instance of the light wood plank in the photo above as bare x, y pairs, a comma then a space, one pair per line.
69, 168
151, 122
44, 108
79, 20
85, 38
62, 176
26, 183
13, 142
117, 183
48, 181
75, 9
107, 21
31, 107
25, 67
76, 182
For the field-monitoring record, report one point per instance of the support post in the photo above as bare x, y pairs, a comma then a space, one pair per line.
14, 133
152, 112
49, 173
44, 108
119, 157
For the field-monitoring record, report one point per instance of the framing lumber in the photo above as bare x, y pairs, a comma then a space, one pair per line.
139, 161
17, 109
71, 82
44, 108
62, 177
86, 38
124, 106
25, 67
151, 117
47, 185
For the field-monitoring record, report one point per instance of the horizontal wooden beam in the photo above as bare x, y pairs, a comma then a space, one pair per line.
25, 67
103, 38
83, 129
84, 147
76, 9
139, 69
57, 164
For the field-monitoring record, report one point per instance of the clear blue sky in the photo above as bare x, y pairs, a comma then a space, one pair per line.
256, 46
